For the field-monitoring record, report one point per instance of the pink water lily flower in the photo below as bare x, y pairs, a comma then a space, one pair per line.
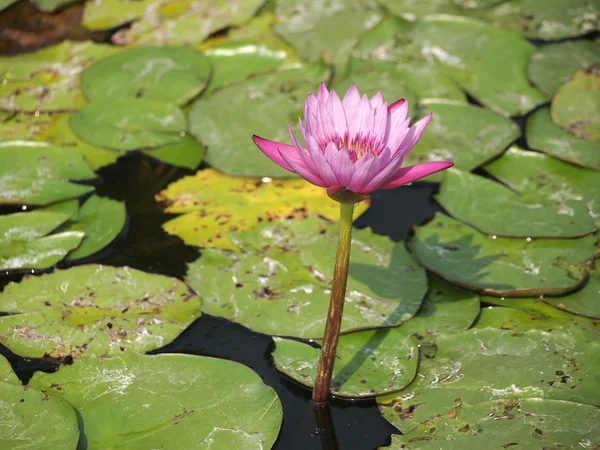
355, 145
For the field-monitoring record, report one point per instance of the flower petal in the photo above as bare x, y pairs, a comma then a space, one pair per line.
360, 123
364, 174
377, 100
397, 104
350, 101
323, 93
384, 174
412, 173
304, 172
325, 171
342, 166
303, 154
274, 150
338, 116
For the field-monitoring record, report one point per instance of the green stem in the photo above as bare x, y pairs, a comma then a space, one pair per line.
336, 306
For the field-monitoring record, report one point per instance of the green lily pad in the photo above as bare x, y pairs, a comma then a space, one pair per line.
446, 309
585, 301
553, 65
26, 242
464, 134
575, 105
280, 284
186, 153
333, 27
525, 424
379, 56
167, 401
129, 123
168, 74
368, 363
264, 105
476, 4
497, 210
37, 174
51, 5
535, 175
6, 3
186, 22
544, 19
484, 364
106, 14
500, 267
416, 9
101, 219
48, 80
235, 61
30, 419
207, 199
96, 311
544, 135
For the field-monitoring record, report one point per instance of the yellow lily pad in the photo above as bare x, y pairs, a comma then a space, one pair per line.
214, 204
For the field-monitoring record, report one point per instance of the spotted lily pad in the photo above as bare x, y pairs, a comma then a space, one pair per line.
545, 19
380, 57
525, 424
501, 266
168, 74
544, 135
535, 175
186, 22
279, 285
94, 311
26, 242
101, 219
333, 27
48, 80
484, 364
105, 14
167, 401
129, 123
464, 134
585, 301
446, 309
30, 419
553, 65
37, 174
209, 198
496, 209
263, 105
368, 363
575, 105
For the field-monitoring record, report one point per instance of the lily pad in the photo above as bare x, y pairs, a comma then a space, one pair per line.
186, 22
585, 301
94, 311
544, 19
129, 123
30, 419
333, 27
544, 135
37, 174
368, 363
209, 197
106, 14
416, 9
26, 242
446, 309
48, 80
491, 364
525, 424
380, 56
476, 4
167, 401
536, 175
553, 65
101, 219
51, 5
464, 134
575, 105
500, 267
497, 210
186, 153
225, 120
280, 284
168, 74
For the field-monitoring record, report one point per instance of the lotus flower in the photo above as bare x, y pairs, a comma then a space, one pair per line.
352, 146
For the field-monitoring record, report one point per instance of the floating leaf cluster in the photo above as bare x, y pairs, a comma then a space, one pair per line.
479, 331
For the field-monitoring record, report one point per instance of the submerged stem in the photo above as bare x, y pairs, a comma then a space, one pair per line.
336, 306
